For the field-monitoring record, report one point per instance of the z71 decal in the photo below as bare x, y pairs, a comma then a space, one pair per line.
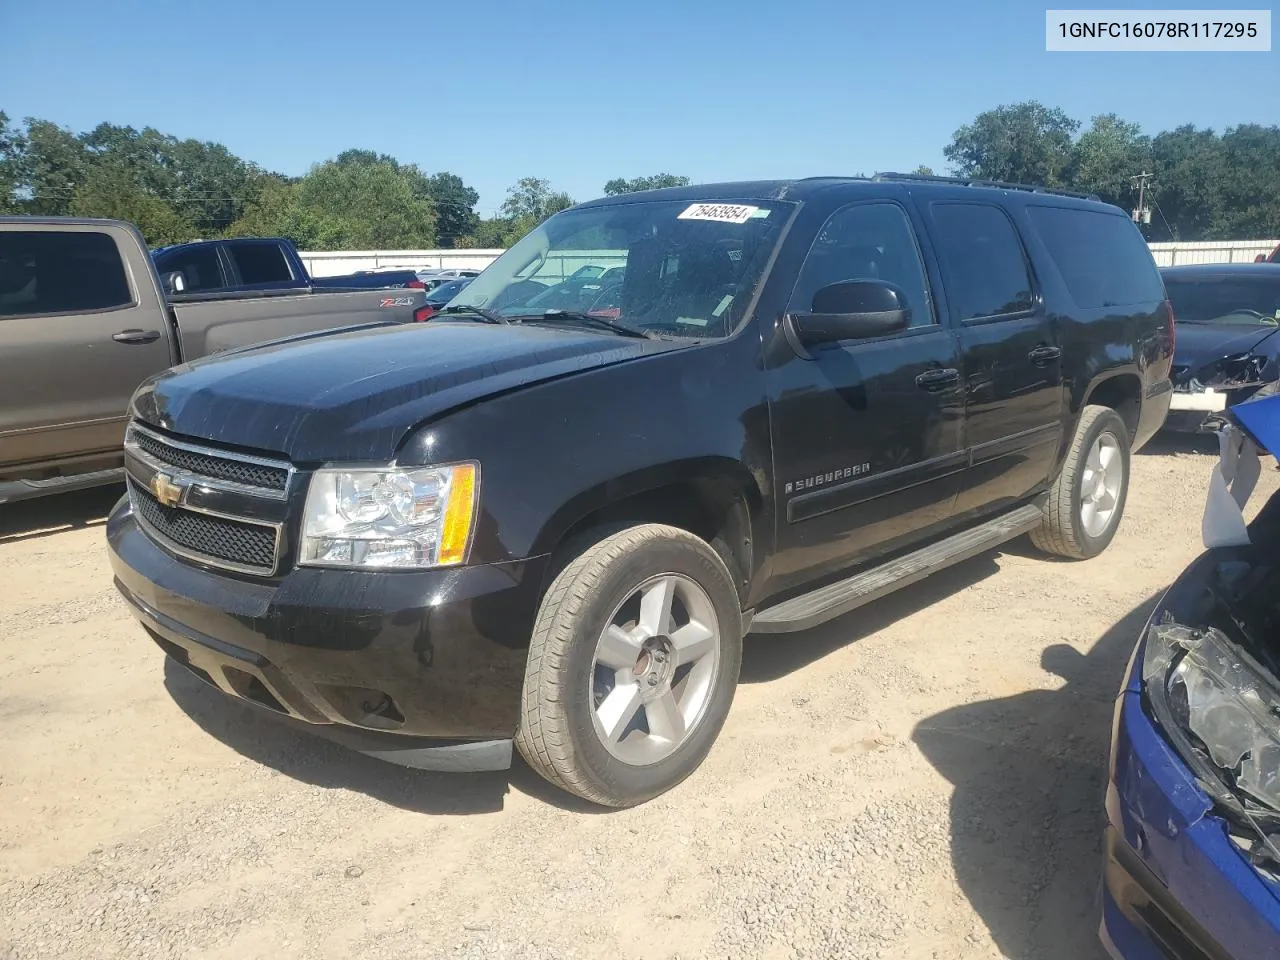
831, 476
397, 302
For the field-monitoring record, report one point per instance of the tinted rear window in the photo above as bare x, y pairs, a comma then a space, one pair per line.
1226, 299
983, 260
46, 272
260, 263
1102, 258
200, 268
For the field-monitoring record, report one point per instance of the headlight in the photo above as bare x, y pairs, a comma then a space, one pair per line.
406, 518
1216, 691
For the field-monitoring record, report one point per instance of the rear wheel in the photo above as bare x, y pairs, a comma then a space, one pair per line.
1087, 500
632, 667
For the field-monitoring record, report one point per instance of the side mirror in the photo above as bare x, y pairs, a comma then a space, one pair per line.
174, 282
1260, 258
849, 310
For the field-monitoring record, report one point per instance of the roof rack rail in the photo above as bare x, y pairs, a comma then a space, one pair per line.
979, 182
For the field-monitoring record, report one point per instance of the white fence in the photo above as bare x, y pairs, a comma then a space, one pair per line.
1211, 251
333, 264
336, 263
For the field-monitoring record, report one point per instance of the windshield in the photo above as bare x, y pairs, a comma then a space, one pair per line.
1247, 300
447, 291
667, 267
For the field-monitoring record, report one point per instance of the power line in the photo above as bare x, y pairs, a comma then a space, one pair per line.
451, 204
1168, 226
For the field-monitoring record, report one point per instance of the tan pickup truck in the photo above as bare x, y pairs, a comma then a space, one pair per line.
84, 320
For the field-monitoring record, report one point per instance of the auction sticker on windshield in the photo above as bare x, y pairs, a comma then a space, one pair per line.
722, 212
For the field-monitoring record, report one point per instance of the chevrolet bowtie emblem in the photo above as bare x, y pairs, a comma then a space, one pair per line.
166, 490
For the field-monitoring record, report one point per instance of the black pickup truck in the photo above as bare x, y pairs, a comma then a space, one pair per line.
553, 527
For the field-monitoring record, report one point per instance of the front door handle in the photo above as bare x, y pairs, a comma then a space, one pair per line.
938, 379
136, 336
1042, 355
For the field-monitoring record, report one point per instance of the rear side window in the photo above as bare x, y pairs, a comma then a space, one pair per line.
982, 260
48, 272
260, 263
200, 267
866, 241
1102, 258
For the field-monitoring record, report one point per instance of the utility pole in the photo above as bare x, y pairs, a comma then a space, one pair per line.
1141, 214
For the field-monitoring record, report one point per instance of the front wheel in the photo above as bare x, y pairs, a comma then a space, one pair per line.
1087, 500
633, 664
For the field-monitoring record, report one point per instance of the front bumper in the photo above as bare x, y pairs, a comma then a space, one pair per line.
423, 668
1175, 886
1203, 401
1198, 411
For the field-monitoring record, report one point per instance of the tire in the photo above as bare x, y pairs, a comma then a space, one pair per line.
1067, 529
601, 609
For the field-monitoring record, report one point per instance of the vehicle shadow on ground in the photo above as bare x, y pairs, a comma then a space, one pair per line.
57, 513
260, 737
1030, 775
768, 657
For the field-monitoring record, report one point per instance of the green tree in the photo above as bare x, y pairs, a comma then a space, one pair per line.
277, 212
1189, 168
13, 144
923, 171
111, 190
54, 164
358, 201
370, 206
1249, 195
147, 155
532, 199
619, 186
1107, 156
1020, 143
454, 203
211, 185
492, 233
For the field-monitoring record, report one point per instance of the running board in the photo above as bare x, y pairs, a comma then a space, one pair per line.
827, 603
14, 490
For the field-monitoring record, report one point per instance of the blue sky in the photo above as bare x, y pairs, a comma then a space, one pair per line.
581, 92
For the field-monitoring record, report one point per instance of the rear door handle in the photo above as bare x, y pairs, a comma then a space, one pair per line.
136, 336
938, 379
1042, 355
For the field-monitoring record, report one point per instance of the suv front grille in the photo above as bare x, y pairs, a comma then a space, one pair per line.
247, 473
215, 507
247, 545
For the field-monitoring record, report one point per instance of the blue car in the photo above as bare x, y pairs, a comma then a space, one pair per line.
1192, 846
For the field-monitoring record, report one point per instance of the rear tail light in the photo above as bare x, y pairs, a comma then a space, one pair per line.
424, 313
416, 284
1172, 327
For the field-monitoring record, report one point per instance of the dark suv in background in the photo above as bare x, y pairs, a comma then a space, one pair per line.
552, 526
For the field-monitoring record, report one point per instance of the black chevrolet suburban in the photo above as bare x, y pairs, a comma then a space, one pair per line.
548, 516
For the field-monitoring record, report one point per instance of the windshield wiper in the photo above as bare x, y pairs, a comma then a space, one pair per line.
586, 319
481, 312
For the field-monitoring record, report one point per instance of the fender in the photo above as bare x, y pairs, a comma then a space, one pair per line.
556, 452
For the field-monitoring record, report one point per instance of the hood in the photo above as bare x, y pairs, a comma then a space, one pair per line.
1200, 344
355, 394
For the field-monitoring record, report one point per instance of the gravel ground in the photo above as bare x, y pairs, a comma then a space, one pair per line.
922, 779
